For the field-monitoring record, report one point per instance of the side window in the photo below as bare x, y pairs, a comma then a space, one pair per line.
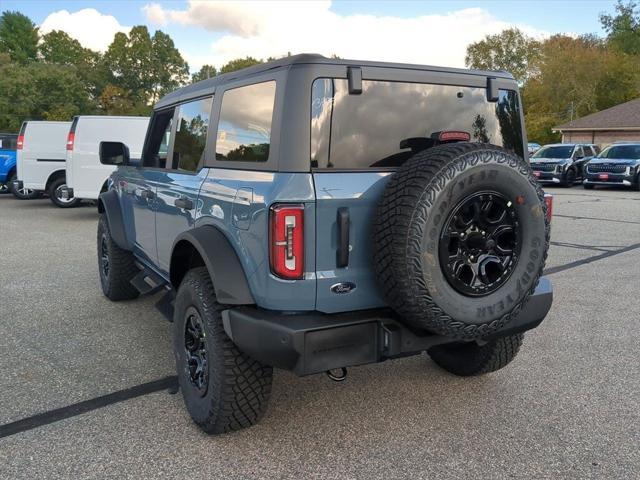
155, 152
191, 135
244, 130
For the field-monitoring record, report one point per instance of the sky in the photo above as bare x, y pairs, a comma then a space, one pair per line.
212, 32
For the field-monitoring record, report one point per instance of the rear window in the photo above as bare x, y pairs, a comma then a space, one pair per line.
367, 130
8, 142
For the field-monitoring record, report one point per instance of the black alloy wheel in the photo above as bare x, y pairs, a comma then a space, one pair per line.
104, 256
480, 243
196, 351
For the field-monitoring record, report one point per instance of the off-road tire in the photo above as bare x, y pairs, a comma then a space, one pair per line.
116, 281
410, 216
53, 187
469, 359
238, 387
31, 196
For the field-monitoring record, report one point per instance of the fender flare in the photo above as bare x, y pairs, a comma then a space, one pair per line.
109, 204
227, 274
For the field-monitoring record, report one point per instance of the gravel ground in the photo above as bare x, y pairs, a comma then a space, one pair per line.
567, 407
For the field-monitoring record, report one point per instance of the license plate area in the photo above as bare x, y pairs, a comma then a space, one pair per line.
603, 176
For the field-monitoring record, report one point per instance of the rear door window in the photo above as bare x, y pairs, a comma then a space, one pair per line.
390, 121
244, 128
192, 125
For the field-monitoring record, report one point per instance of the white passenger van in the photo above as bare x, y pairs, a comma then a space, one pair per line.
41, 159
86, 176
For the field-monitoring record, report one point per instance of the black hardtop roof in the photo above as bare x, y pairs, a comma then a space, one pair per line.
208, 86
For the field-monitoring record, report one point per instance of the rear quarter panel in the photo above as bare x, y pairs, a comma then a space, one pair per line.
237, 202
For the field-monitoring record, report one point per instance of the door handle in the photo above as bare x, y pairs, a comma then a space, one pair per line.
183, 203
343, 237
148, 194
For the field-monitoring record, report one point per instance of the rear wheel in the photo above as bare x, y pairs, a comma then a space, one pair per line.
22, 193
4, 188
460, 239
223, 388
55, 194
116, 266
470, 359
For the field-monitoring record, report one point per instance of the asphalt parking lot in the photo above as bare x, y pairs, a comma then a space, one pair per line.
567, 407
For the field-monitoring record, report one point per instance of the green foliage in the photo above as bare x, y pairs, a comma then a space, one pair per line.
239, 64
147, 67
58, 47
576, 77
623, 28
207, 71
18, 37
510, 50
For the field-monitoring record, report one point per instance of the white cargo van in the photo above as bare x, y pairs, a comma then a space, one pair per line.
41, 159
86, 176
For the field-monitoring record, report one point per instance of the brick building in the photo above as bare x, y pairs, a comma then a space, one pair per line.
619, 123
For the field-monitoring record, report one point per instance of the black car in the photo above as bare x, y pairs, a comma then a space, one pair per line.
618, 164
562, 163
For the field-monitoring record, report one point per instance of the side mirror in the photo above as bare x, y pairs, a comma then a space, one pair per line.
114, 153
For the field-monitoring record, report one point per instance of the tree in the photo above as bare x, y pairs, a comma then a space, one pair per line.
146, 66
58, 47
207, 71
510, 50
576, 77
239, 63
18, 37
623, 29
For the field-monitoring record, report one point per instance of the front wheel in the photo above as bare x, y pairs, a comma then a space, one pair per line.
22, 193
55, 194
4, 188
569, 178
116, 266
469, 359
223, 388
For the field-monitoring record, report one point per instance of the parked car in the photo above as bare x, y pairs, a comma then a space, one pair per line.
533, 147
618, 164
41, 160
317, 232
86, 176
562, 163
8, 169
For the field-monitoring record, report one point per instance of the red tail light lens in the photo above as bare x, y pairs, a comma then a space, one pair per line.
287, 241
548, 200
70, 139
20, 142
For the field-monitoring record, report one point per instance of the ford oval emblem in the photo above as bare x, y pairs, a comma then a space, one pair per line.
343, 288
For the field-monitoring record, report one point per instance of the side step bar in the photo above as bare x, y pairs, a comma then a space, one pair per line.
148, 282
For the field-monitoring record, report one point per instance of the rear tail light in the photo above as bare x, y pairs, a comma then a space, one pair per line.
20, 142
70, 139
548, 201
287, 241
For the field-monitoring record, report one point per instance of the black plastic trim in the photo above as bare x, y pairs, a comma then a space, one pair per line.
313, 342
222, 262
110, 203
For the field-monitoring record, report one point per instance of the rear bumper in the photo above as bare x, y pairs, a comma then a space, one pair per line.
315, 342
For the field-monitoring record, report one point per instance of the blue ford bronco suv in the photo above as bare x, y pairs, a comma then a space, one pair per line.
312, 214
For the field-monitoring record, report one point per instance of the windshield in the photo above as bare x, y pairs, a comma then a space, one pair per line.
557, 151
621, 152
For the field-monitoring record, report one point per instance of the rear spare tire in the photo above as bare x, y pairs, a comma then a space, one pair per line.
460, 239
